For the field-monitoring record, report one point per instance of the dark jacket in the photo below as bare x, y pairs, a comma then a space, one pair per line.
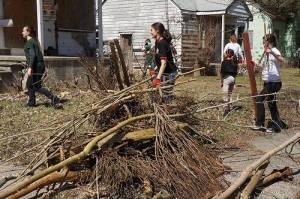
228, 67
34, 56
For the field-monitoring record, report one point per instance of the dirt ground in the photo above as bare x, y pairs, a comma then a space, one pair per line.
232, 133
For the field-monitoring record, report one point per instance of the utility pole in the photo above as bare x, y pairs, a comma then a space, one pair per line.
100, 29
40, 22
250, 68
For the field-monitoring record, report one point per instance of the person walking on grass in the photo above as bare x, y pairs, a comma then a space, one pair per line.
35, 69
228, 73
166, 68
233, 45
271, 85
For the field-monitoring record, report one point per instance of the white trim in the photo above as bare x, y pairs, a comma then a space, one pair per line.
223, 37
100, 29
6, 23
40, 22
222, 12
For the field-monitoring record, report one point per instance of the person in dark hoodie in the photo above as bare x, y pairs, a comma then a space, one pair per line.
35, 69
229, 70
166, 69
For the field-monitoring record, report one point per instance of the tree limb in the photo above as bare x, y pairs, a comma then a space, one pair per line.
252, 167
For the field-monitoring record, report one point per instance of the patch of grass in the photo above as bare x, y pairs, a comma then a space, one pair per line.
236, 125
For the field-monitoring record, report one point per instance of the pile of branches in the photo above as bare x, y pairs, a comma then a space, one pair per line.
127, 145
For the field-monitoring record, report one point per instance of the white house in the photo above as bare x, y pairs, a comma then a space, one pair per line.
198, 26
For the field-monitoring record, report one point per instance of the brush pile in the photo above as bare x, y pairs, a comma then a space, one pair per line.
126, 145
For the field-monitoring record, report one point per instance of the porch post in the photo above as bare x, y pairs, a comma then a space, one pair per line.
247, 26
223, 37
100, 28
40, 22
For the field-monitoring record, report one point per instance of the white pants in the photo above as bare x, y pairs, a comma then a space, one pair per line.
228, 86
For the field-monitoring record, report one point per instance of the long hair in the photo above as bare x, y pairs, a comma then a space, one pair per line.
271, 38
160, 28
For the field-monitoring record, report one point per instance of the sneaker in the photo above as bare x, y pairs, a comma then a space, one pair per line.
258, 128
269, 130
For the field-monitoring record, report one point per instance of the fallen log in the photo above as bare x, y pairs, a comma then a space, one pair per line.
253, 182
252, 167
284, 173
144, 134
56, 177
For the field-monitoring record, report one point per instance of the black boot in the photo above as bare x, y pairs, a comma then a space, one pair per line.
56, 103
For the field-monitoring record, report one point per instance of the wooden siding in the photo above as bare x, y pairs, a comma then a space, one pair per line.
200, 39
136, 16
190, 40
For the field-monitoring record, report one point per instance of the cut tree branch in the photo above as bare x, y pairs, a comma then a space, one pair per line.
252, 167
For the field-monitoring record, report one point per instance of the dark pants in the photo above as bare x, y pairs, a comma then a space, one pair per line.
34, 84
269, 88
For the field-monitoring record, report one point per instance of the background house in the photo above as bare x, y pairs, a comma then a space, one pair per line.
67, 26
282, 19
200, 28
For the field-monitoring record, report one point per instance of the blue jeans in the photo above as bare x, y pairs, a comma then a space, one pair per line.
168, 80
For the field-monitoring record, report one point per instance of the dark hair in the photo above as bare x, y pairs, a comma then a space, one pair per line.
230, 53
31, 30
271, 38
162, 31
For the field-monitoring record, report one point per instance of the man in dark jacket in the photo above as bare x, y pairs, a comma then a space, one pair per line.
36, 69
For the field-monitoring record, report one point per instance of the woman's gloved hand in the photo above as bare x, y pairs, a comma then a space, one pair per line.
156, 83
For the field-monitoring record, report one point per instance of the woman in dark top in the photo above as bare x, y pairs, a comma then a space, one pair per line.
166, 69
35, 69
228, 73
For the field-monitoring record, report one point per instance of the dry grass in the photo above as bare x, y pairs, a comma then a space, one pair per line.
16, 119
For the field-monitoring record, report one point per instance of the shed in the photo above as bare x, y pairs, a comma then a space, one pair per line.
200, 27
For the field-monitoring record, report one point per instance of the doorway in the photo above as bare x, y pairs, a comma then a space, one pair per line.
22, 12
127, 48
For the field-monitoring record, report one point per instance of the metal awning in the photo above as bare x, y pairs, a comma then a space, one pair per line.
215, 7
